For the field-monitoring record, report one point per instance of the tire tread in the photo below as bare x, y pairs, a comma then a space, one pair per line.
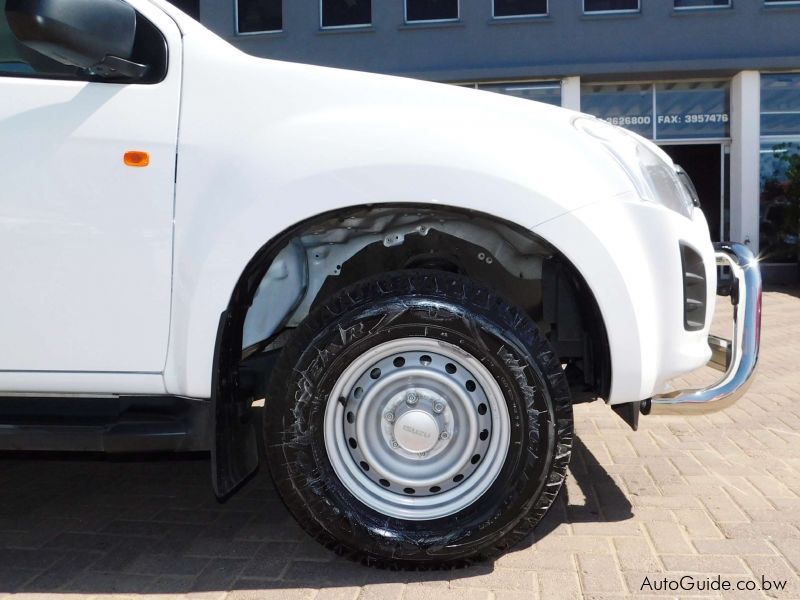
475, 296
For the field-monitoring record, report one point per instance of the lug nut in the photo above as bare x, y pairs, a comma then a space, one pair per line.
412, 398
395, 444
444, 435
389, 416
438, 407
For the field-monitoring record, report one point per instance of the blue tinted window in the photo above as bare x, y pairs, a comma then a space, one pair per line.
346, 13
667, 111
519, 8
629, 106
259, 15
780, 104
692, 110
609, 5
549, 93
431, 10
780, 201
701, 3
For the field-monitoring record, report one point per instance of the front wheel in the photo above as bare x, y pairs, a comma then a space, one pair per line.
417, 419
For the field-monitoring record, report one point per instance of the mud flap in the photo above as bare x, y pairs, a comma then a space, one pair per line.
234, 450
629, 412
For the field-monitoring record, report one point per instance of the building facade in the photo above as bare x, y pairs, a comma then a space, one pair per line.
716, 83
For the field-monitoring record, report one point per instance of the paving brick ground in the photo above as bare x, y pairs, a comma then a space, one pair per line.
707, 496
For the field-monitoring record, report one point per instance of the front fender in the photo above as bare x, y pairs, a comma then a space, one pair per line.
628, 252
216, 240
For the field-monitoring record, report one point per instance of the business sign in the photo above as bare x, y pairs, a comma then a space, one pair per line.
629, 106
665, 111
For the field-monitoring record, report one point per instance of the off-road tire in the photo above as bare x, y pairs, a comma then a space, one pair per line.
441, 306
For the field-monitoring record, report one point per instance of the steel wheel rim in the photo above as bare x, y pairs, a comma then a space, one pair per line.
416, 429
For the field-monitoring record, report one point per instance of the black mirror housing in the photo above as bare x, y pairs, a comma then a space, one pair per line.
95, 35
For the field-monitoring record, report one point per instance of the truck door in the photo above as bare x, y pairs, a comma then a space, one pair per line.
87, 177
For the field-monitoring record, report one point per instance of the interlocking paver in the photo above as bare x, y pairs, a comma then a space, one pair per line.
557, 586
432, 592
636, 554
496, 579
382, 591
668, 538
741, 547
342, 593
697, 523
599, 573
709, 495
692, 563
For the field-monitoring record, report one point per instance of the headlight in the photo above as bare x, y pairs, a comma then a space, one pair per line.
655, 179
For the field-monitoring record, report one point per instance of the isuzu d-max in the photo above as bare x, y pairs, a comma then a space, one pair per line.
417, 280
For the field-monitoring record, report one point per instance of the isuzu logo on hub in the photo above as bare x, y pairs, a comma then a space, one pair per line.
419, 432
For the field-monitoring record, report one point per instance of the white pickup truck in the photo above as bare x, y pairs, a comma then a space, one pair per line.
419, 279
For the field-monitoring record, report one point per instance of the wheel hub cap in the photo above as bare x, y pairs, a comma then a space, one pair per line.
416, 431
416, 428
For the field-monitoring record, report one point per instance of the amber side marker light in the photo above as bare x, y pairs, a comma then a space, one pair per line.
137, 158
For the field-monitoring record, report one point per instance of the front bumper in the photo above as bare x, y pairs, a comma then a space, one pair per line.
737, 358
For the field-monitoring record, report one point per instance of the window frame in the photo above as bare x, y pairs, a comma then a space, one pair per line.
706, 7
260, 32
774, 74
778, 3
456, 19
543, 15
322, 25
618, 11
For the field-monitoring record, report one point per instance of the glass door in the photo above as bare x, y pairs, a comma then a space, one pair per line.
708, 165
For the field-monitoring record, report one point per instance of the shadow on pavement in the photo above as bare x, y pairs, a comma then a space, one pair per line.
791, 289
150, 525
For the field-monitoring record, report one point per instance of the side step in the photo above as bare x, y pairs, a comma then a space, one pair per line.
114, 424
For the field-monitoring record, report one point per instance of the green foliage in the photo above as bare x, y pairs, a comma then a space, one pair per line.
780, 205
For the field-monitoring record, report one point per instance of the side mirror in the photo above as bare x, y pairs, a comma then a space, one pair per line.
94, 35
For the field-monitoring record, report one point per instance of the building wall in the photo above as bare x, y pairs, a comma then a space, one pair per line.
658, 39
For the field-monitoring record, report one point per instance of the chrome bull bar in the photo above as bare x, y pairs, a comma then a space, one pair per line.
737, 357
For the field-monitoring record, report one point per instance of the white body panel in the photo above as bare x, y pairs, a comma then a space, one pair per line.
87, 241
628, 254
265, 145
301, 140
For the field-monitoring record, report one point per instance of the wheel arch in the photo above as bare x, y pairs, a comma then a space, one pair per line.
233, 388
253, 274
